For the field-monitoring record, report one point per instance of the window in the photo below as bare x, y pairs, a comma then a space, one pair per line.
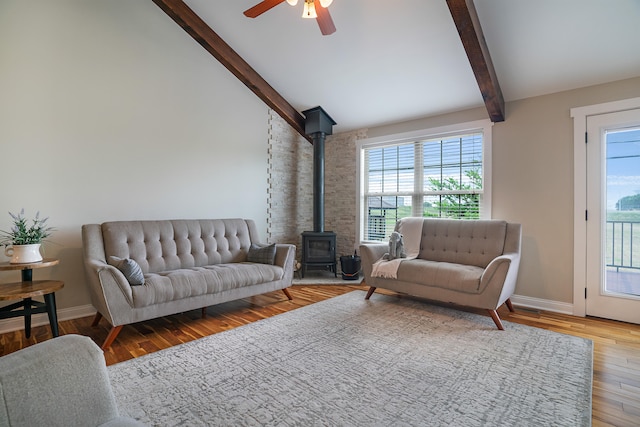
434, 173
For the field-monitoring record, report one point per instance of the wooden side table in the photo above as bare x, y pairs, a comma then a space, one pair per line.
26, 290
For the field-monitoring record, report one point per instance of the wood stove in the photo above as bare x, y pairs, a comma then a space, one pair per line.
319, 250
318, 246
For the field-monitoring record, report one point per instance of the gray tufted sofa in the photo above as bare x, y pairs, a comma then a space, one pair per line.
467, 262
187, 264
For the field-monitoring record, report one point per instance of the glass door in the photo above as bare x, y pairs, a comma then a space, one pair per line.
613, 210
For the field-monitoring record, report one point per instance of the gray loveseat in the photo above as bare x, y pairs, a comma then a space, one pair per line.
466, 262
182, 264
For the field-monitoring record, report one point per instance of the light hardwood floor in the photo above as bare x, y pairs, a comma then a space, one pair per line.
616, 382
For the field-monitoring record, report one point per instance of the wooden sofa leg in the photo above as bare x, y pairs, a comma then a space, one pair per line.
113, 333
96, 319
372, 289
509, 305
286, 292
496, 319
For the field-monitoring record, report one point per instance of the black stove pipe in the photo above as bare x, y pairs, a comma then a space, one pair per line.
318, 181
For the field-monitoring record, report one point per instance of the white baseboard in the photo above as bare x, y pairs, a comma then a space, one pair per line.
17, 323
542, 304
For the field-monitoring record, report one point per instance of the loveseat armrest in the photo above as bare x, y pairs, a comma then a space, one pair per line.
370, 253
499, 278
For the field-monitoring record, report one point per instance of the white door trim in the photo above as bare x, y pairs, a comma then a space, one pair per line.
579, 115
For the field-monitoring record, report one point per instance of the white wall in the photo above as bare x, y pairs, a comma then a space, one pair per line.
110, 111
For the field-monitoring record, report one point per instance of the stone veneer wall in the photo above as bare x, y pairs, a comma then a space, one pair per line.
290, 186
340, 189
289, 180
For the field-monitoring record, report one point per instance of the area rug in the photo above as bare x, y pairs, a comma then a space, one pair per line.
345, 361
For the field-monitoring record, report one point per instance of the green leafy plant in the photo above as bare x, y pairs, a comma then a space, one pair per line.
24, 234
458, 205
628, 203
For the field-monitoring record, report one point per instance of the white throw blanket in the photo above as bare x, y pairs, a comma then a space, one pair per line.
411, 230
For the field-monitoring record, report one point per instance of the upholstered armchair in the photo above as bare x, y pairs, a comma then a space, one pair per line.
60, 382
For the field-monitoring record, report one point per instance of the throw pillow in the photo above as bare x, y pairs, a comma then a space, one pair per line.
130, 269
262, 254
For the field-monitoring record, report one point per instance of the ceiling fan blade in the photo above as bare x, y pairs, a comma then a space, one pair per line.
261, 8
324, 19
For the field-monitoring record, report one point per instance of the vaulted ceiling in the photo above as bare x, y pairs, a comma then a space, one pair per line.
399, 60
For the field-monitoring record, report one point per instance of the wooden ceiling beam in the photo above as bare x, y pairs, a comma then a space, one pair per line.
468, 25
207, 38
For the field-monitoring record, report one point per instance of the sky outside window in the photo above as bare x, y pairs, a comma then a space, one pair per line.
623, 165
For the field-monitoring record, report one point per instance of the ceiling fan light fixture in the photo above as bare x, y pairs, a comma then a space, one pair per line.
309, 9
325, 3
292, 2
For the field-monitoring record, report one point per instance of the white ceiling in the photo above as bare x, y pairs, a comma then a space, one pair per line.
392, 61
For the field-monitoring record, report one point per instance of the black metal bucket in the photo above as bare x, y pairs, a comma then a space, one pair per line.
350, 266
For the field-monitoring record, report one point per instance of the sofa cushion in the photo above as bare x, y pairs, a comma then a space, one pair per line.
131, 270
457, 277
184, 283
474, 242
263, 254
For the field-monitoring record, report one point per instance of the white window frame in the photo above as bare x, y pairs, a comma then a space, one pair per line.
482, 126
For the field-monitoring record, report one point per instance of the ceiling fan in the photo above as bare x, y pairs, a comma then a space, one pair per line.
312, 9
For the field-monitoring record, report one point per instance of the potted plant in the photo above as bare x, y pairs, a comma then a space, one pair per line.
22, 243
